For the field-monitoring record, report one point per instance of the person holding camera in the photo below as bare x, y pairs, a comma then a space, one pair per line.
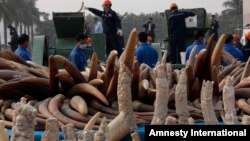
14, 37
150, 28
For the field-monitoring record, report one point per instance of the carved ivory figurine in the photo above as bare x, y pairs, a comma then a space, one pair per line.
207, 107
69, 132
162, 94
51, 131
24, 123
181, 99
229, 102
100, 135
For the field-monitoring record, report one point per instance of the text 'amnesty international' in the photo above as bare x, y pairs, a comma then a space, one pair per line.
193, 133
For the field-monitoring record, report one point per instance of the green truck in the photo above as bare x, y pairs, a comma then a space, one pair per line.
67, 26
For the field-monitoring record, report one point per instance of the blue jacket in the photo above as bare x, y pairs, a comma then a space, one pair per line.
23, 53
78, 58
176, 22
199, 47
146, 54
110, 20
234, 52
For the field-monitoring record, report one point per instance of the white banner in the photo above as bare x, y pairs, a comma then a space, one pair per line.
191, 21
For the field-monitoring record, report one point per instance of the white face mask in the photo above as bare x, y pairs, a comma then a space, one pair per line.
83, 46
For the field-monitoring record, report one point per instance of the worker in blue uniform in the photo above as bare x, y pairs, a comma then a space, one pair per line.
77, 56
176, 29
236, 53
23, 44
111, 26
199, 38
246, 47
145, 53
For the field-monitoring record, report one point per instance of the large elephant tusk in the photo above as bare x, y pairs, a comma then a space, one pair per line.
93, 67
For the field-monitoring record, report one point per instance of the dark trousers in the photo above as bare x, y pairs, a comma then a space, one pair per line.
112, 43
177, 45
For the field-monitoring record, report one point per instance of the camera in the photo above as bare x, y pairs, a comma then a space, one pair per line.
11, 27
12, 30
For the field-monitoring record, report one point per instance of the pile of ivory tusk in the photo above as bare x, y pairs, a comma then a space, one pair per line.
116, 96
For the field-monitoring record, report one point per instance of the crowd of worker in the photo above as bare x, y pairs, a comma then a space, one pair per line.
145, 53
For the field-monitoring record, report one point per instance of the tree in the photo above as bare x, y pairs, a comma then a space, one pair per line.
234, 7
232, 14
19, 12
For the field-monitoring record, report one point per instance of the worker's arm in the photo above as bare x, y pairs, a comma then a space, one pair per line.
25, 57
117, 23
188, 14
117, 20
138, 55
240, 56
76, 61
96, 11
188, 50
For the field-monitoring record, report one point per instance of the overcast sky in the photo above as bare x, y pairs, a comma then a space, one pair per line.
131, 6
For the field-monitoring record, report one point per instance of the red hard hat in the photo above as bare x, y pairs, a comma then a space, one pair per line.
173, 5
247, 35
106, 2
236, 36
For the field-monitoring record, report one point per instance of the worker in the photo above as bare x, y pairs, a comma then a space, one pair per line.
246, 47
149, 28
77, 56
14, 37
145, 53
199, 38
236, 42
214, 26
98, 26
111, 26
236, 53
23, 44
177, 28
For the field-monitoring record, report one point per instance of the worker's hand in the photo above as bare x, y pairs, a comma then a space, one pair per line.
119, 32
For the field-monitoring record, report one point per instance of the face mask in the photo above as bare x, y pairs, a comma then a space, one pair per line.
83, 46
